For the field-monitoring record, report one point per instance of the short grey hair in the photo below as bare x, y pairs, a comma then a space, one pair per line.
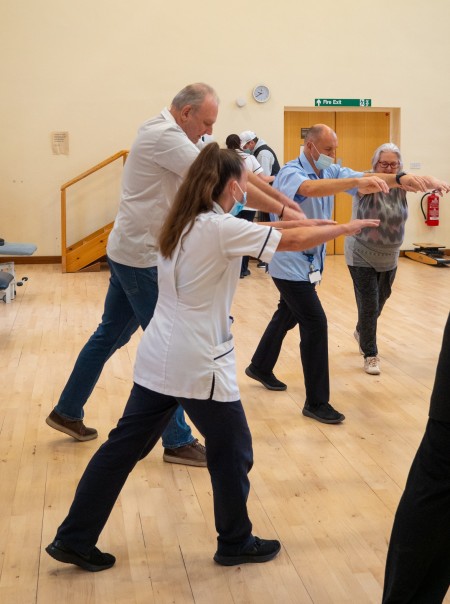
193, 94
316, 131
390, 147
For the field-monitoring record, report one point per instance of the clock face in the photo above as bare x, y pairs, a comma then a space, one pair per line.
261, 93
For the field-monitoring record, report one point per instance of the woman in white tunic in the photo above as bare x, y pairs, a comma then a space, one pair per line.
186, 356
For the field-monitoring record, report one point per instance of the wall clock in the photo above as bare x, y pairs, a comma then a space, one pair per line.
261, 93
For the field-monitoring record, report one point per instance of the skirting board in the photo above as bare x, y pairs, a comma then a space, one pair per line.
31, 259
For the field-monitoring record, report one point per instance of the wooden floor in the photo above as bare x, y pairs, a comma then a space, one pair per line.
327, 492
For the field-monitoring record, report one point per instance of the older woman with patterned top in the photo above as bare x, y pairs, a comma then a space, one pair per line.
372, 255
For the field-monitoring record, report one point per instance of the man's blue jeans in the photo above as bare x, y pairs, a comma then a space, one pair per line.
130, 302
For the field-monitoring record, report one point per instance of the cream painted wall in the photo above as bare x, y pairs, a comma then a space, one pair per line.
98, 69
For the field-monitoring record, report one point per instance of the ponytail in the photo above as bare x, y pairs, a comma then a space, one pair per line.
204, 182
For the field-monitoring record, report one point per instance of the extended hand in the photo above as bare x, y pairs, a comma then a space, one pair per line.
412, 183
440, 186
355, 226
373, 184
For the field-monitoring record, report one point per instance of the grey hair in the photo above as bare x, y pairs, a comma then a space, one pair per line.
387, 147
193, 94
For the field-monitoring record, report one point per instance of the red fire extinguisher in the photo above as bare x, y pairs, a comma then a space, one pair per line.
432, 215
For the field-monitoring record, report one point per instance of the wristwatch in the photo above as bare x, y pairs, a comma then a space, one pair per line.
398, 176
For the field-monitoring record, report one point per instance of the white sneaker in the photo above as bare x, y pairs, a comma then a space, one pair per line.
356, 336
372, 365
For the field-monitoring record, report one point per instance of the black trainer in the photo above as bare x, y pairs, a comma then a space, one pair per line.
267, 379
324, 413
262, 550
94, 562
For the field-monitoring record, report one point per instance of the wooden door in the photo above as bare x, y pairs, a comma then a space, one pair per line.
359, 134
294, 121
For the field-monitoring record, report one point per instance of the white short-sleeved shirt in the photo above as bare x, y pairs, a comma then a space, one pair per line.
155, 167
188, 350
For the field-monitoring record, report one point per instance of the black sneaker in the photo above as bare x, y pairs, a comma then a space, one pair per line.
262, 550
267, 379
324, 413
94, 562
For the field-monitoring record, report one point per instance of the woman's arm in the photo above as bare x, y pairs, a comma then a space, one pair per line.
302, 222
303, 237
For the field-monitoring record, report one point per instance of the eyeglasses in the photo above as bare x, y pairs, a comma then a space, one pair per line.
389, 164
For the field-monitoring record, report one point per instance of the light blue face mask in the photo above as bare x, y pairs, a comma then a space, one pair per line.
239, 205
324, 161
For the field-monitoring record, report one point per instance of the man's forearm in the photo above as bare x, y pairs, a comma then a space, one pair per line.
389, 179
326, 186
274, 194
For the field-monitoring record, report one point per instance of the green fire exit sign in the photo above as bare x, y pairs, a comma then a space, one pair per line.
343, 102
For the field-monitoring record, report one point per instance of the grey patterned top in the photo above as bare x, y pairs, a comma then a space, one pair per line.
378, 248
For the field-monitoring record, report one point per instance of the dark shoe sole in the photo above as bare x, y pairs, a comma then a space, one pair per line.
252, 375
73, 558
338, 420
244, 559
69, 432
185, 462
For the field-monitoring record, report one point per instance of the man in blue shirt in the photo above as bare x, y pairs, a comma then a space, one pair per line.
311, 180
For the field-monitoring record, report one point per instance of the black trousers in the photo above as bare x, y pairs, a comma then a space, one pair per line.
248, 215
418, 560
372, 289
299, 305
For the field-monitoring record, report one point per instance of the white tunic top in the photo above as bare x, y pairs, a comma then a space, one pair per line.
188, 350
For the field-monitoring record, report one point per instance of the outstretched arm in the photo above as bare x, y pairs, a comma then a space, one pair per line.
304, 237
331, 186
440, 186
302, 222
264, 197
409, 182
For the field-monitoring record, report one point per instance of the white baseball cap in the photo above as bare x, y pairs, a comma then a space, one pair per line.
246, 137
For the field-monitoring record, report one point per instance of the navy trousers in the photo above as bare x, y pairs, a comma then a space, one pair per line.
229, 457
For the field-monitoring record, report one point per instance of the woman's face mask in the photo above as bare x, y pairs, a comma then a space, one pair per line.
239, 205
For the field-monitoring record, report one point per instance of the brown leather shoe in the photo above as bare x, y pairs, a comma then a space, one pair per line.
193, 454
74, 428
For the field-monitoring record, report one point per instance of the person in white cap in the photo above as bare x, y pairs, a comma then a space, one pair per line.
266, 156
261, 150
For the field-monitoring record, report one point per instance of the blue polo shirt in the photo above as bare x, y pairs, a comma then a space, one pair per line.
295, 266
